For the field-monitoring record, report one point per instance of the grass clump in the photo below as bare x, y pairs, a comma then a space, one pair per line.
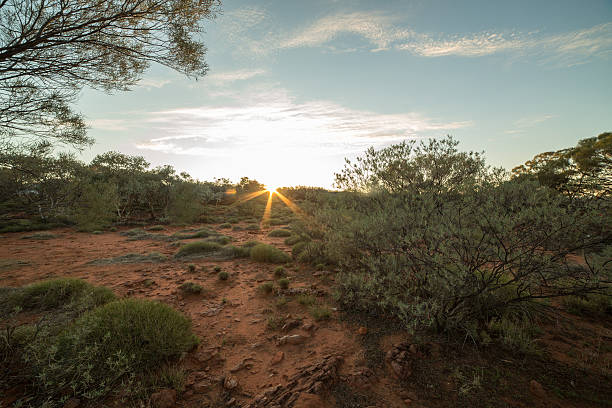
320, 312
223, 275
217, 268
191, 234
59, 292
156, 228
251, 227
198, 248
283, 283
592, 304
268, 253
191, 288
279, 272
306, 300
40, 236
152, 257
266, 288
225, 225
108, 344
219, 239
279, 233
191, 268
232, 251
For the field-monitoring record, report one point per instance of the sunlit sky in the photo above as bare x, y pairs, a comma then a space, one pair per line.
296, 86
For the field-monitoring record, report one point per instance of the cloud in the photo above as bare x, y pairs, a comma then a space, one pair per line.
255, 34
523, 124
223, 78
272, 121
109, 124
154, 82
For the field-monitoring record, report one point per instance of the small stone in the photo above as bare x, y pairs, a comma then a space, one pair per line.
230, 382
165, 398
362, 331
537, 389
72, 403
231, 402
292, 339
278, 357
413, 348
397, 368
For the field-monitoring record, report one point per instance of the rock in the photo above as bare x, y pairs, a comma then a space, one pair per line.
292, 339
413, 348
72, 403
165, 398
537, 389
291, 324
230, 382
362, 331
278, 357
397, 368
231, 402
308, 326
243, 364
309, 401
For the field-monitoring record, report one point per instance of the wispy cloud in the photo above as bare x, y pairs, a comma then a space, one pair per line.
227, 77
522, 125
275, 122
109, 124
154, 82
380, 31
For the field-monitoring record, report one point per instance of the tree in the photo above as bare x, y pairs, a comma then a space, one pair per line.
51, 49
581, 171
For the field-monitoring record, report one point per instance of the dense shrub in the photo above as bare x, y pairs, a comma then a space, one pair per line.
198, 248
107, 344
434, 238
60, 292
279, 233
268, 253
191, 288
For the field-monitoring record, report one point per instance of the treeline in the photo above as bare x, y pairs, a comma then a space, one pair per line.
40, 189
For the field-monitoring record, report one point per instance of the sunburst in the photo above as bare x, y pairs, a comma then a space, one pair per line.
272, 190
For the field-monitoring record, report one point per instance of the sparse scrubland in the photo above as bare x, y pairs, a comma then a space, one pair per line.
459, 283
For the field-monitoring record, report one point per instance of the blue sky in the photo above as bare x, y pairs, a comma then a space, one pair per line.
294, 87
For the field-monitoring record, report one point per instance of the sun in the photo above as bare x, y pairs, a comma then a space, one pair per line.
272, 188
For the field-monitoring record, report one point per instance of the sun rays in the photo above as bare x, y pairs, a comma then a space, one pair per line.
272, 191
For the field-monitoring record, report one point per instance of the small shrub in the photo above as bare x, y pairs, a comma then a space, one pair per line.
232, 251
55, 293
266, 288
298, 248
252, 227
592, 304
275, 322
225, 225
281, 302
223, 275
191, 234
217, 268
306, 300
191, 268
250, 244
198, 248
320, 312
219, 239
268, 253
283, 283
294, 239
40, 236
156, 228
119, 339
279, 233
279, 272
515, 334
191, 288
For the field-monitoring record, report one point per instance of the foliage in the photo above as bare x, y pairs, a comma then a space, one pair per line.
283, 283
109, 343
583, 170
279, 272
198, 248
279, 233
51, 50
266, 288
268, 253
223, 275
441, 241
320, 312
191, 288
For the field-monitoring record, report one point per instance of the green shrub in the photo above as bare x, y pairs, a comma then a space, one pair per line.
283, 283
312, 253
279, 272
592, 304
40, 236
250, 244
306, 300
219, 239
515, 334
268, 253
266, 288
108, 344
217, 268
279, 233
294, 239
223, 275
191, 288
252, 227
156, 228
198, 248
225, 225
298, 248
232, 251
191, 268
201, 233
59, 292
320, 312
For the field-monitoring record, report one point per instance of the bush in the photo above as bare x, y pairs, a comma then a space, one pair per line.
266, 288
283, 283
223, 275
217, 268
268, 253
298, 248
198, 248
320, 312
190, 288
593, 304
279, 233
219, 239
232, 251
225, 225
279, 272
441, 241
55, 293
306, 300
90, 357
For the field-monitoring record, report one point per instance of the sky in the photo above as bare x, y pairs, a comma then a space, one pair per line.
295, 87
